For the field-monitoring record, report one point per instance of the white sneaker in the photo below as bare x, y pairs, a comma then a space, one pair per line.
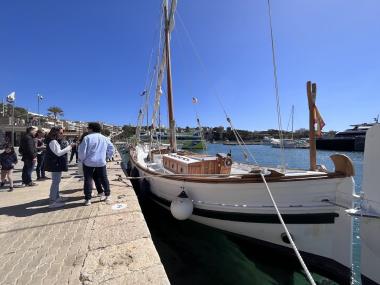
102, 196
56, 204
108, 199
62, 199
87, 203
96, 195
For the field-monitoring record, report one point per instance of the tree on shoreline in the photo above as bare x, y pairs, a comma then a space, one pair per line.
55, 112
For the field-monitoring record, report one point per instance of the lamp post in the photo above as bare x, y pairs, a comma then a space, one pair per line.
39, 99
11, 99
13, 123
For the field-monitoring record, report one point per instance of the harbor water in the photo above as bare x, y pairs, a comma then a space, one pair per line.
196, 254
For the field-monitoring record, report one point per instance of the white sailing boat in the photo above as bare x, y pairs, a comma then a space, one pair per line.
290, 143
246, 199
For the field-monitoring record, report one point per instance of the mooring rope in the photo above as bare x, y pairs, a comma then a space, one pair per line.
311, 280
215, 93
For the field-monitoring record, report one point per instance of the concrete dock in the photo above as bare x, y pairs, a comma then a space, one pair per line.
97, 244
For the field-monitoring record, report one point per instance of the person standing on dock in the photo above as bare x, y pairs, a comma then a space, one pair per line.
74, 151
56, 162
28, 151
41, 148
93, 153
8, 160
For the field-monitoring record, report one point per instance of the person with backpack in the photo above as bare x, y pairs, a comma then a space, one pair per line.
8, 160
56, 163
28, 151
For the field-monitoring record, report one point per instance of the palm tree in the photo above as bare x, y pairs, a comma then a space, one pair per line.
56, 112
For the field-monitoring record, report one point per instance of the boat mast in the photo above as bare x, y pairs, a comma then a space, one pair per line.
172, 137
292, 122
311, 95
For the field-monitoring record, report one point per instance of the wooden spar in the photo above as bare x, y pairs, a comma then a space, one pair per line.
172, 137
311, 96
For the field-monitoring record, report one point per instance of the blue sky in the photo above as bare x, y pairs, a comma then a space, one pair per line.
90, 57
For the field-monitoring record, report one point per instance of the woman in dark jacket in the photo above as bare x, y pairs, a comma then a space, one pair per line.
55, 162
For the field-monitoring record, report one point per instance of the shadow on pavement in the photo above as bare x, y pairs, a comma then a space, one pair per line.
37, 207
71, 191
42, 202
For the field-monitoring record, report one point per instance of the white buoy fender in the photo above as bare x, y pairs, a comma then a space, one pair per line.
182, 207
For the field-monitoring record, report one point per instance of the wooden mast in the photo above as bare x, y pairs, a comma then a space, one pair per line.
292, 122
311, 95
172, 137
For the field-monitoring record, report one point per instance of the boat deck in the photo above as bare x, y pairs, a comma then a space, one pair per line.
236, 168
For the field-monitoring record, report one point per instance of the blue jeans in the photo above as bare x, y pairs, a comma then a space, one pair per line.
27, 171
54, 188
101, 174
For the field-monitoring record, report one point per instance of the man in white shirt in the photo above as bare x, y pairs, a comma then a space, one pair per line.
93, 153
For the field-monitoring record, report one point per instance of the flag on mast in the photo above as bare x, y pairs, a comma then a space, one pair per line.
319, 121
11, 97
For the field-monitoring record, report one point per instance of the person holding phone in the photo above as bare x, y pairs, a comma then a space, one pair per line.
56, 163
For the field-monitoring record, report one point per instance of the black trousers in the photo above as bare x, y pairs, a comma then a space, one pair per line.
27, 171
101, 174
40, 168
98, 184
72, 155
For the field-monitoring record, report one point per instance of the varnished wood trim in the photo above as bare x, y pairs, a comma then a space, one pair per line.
240, 180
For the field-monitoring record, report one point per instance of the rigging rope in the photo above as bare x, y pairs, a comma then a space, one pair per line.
276, 89
215, 93
311, 280
203, 140
157, 101
147, 92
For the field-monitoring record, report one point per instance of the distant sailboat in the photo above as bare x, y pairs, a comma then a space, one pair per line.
290, 143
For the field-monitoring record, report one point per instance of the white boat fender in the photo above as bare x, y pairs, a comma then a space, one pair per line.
182, 207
